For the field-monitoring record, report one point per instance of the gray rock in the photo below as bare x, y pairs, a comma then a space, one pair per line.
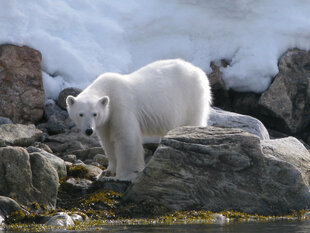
55, 126
89, 153
7, 206
61, 101
224, 119
93, 171
61, 219
286, 104
56, 119
224, 169
101, 159
70, 141
57, 163
44, 178
79, 218
77, 185
27, 180
109, 183
69, 158
291, 150
19, 135
51, 109
5, 120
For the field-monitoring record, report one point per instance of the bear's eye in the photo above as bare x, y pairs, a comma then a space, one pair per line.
94, 114
81, 114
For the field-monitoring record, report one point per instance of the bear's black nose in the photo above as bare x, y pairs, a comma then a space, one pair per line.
89, 132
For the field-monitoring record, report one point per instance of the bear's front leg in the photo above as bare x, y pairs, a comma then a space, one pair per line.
109, 151
129, 154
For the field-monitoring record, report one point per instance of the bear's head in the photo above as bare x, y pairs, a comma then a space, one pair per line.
87, 113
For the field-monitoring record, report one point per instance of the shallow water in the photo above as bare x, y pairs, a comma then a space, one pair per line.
269, 227
275, 227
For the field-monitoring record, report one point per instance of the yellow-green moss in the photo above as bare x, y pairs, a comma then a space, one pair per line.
109, 198
77, 171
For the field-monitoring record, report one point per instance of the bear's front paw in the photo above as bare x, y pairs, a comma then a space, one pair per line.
105, 174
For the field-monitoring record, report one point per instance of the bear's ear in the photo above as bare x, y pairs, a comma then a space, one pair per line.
70, 100
104, 100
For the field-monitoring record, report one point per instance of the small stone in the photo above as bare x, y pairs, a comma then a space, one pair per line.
69, 158
101, 159
5, 120
77, 185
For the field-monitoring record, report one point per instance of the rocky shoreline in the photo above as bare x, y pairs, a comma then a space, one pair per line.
49, 170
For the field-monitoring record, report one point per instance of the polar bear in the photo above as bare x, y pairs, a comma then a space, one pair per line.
122, 109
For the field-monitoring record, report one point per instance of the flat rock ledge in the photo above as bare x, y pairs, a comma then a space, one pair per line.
19, 135
225, 169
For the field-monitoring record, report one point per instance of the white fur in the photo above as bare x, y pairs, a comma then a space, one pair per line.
122, 109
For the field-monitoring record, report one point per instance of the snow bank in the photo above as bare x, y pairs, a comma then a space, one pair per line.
81, 39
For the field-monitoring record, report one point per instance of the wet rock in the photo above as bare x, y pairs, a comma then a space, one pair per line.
61, 219
21, 89
19, 135
7, 206
5, 120
79, 218
56, 162
224, 119
61, 101
27, 178
224, 169
286, 104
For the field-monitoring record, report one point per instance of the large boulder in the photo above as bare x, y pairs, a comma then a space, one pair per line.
225, 169
21, 89
286, 104
27, 178
19, 135
225, 119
